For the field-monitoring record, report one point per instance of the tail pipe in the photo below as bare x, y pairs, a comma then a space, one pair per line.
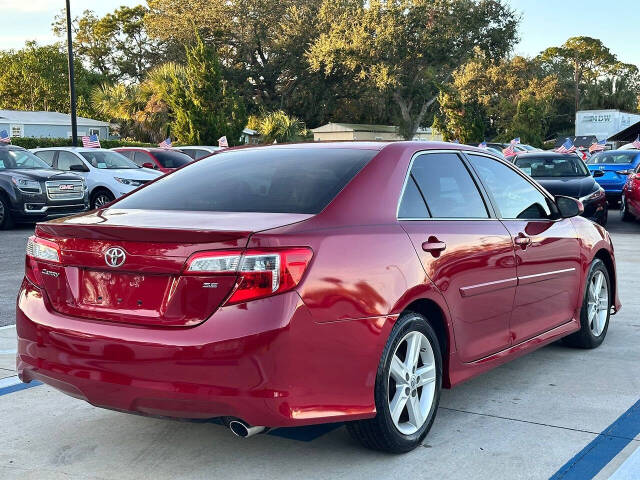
244, 430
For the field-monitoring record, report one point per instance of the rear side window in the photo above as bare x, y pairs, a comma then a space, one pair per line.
447, 186
47, 156
274, 180
412, 204
172, 159
615, 158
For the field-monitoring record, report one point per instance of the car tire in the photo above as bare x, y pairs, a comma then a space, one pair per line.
624, 210
100, 198
6, 221
596, 309
421, 394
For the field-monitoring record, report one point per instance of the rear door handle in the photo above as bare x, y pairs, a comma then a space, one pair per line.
434, 246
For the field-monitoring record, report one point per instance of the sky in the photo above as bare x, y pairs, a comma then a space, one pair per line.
544, 23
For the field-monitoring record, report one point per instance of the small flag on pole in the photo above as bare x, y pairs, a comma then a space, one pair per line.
636, 143
4, 137
483, 145
566, 147
165, 143
598, 146
515, 141
91, 141
222, 142
510, 151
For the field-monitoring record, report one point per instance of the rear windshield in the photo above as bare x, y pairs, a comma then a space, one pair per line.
267, 180
570, 166
172, 159
612, 157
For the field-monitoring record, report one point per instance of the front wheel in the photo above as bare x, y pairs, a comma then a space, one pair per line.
407, 391
101, 198
596, 309
6, 222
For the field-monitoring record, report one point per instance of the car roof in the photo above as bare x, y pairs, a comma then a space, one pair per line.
545, 155
201, 147
72, 149
11, 147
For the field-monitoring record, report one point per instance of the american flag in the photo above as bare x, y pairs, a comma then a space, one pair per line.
515, 141
483, 145
510, 150
222, 142
636, 143
566, 147
165, 143
598, 146
4, 137
91, 141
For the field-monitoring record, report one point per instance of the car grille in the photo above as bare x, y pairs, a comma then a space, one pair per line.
65, 189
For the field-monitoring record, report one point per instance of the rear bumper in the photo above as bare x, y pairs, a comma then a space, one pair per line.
265, 362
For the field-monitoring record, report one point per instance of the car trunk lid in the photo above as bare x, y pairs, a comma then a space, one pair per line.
126, 265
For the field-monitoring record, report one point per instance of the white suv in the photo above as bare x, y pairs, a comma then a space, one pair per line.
108, 174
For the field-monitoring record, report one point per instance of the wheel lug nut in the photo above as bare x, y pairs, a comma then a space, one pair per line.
407, 377
407, 391
413, 394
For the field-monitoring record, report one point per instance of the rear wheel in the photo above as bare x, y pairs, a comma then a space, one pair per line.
6, 222
624, 210
407, 392
100, 198
596, 309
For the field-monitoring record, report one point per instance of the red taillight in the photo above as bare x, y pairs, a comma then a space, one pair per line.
261, 273
39, 249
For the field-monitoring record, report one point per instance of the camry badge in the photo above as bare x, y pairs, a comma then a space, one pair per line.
115, 257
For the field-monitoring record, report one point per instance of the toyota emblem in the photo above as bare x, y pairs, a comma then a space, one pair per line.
115, 257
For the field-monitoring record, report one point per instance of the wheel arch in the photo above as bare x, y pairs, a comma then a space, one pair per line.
99, 188
604, 255
437, 318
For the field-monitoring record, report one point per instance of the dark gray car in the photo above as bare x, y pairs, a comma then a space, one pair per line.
30, 190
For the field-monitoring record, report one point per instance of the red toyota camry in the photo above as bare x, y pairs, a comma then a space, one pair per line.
303, 284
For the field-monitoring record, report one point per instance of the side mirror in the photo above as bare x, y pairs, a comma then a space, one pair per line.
569, 207
148, 165
78, 168
597, 173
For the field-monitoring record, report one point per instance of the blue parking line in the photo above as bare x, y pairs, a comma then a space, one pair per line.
588, 462
18, 386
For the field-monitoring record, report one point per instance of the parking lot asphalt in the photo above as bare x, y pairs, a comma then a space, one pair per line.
557, 413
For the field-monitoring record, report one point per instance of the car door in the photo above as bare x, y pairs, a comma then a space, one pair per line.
546, 247
633, 192
465, 250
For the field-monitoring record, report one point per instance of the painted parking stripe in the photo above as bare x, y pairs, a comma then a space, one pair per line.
630, 469
14, 384
588, 462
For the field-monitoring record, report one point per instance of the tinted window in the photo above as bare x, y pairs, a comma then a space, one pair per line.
66, 159
615, 157
278, 180
412, 204
20, 159
557, 166
127, 153
514, 196
189, 152
447, 187
108, 160
172, 159
140, 158
198, 154
46, 156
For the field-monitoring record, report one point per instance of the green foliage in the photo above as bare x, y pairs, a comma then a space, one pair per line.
35, 78
33, 142
408, 48
281, 128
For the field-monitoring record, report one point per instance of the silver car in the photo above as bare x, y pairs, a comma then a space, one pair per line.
108, 174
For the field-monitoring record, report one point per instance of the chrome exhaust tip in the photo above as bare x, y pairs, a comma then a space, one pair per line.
243, 430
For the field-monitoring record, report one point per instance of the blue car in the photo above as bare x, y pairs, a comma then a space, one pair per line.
610, 170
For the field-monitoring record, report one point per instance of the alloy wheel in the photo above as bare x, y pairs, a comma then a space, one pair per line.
598, 303
101, 200
412, 383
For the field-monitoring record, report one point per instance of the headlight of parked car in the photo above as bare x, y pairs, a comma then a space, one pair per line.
26, 185
130, 182
598, 194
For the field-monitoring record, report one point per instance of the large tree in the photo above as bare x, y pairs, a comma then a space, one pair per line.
35, 78
116, 45
408, 48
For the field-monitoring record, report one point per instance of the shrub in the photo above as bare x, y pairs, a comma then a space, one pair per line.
32, 142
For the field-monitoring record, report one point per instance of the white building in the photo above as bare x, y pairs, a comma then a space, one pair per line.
603, 123
332, 132
49, 125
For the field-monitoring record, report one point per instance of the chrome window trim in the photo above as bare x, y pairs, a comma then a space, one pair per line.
407, 175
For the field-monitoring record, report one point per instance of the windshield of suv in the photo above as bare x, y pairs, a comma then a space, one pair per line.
108, 160
569, 166
268, 180
612, 157
20, 159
